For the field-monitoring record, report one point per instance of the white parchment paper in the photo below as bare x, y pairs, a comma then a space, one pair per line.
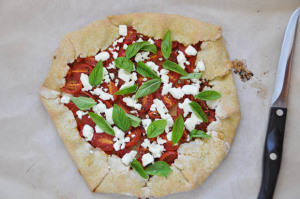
34, 162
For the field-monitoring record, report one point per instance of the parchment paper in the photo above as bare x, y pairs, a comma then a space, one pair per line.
34, 161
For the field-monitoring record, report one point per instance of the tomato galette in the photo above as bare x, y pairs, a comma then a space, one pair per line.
145, 103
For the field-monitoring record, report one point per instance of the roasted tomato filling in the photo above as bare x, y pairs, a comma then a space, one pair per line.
148, 108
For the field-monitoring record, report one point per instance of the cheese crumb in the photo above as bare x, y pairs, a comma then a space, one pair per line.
200, 66
192, 122
141, 56
147, 159
128, 157
181, 59
123, 30
85, 82
88, 132
65, 99
80, 114
190, 50
98, 129
102, 56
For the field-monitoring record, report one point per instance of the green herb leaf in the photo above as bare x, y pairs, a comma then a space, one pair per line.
198, 111
138, 168
198, 134
156, 128
166, 45
160, 168
83, 103
147, 88
208, 95
174, 67
146, 71
120, 119
150, 47
126, 90
134, 121
192, 76
132, 49
124, 63
96, 75
102, 123
178, 128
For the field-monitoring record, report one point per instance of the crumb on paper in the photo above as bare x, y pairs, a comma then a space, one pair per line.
240, 68
262, 89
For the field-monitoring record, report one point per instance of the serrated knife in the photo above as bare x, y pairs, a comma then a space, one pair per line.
278, 111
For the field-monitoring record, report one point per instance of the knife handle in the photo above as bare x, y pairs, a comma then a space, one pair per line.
272, 152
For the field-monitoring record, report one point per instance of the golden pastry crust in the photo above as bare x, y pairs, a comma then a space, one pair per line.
196, 159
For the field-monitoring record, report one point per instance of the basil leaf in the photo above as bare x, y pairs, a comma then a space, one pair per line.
156, 128
102, 123
174, 67
208, 95
178, 128
198, 134
160, 168
96, 75
124, 63
138, 168
166, 45
147, 88
146, 71
134, 121
150, 47
83, 103
198, 111
120, 119
126, 90
132, 49
192, 76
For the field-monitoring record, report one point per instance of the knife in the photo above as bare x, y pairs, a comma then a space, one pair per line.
278, 111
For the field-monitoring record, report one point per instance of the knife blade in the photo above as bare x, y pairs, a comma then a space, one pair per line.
278, 111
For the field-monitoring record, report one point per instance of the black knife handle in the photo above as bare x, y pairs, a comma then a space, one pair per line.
272, 152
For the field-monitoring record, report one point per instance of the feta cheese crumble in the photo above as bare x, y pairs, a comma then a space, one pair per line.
128, 157
85, 82
102, 56
88, 132
65, 99
200, 66
190, 50
181, 59
80, 114
131, 102
147, 159
123, 30
192, 122
102, 94
141, 56
120, 139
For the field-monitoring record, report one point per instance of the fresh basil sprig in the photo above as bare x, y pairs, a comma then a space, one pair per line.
83, 103
96, 75
138, 168
174, 67
147, 88
150, 47
126, 90
192, 76
120, 119
132, 49
160, 168
208, 95
198, 111
134, 121
102, 123
166, 45
178, 128
145, 71
156, 128
198, 134
124, 63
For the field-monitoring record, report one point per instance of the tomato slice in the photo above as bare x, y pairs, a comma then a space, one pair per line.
169, 146
112, 89
87, 120
174, 44
136, 138
142, 150
169, 100
131, 35
72, 85
103, 141
184, 137
158, 43
72, 107
81, 68
154, 114
190, 68
169, 156
123, 106
121, 52
122, 152
69, 73
91, 61
147, 101
211, 115
173, 76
